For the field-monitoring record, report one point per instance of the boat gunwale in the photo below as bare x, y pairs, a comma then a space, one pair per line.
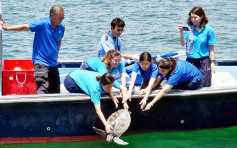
68, 97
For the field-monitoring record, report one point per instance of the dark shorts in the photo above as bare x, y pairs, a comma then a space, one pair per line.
47, 79
204, 65
145, 83
71, 86
188, 85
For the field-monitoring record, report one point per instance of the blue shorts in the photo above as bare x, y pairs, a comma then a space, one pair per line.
71, 86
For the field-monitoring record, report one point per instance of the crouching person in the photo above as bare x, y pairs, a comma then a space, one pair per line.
92, 84
179, 74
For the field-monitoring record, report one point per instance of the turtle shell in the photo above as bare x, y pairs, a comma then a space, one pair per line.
120, 121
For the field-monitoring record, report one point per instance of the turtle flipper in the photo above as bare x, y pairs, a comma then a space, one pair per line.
119, 141
99, 131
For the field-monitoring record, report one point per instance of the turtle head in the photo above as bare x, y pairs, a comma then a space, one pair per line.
109, 138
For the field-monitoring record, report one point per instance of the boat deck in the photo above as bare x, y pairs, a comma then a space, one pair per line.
223, 81
225, 77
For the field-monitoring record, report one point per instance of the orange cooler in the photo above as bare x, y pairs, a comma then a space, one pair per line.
18, 77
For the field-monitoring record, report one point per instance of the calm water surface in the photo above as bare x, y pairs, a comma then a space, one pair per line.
150, 26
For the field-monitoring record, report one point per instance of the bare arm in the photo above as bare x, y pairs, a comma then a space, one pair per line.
149, 87
181, 39
126, 56
59, 45
148, 91
108, 127
157, 81
129, 93
114, 99
22, 27
123, 86
158, 96
212, 57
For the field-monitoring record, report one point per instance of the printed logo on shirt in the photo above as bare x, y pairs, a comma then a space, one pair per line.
189, 45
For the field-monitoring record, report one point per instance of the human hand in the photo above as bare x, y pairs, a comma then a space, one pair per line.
108, 128
213, 67
115, 100
143, 102
148, 107
127, 97
141, 92
135, 56
181, 29
3, 24
125, 105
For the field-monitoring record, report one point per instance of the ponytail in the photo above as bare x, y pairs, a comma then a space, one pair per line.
105, 79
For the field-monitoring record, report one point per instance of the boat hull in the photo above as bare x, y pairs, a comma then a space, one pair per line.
72, 120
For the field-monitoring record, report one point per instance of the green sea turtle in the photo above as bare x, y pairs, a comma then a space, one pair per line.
120, 121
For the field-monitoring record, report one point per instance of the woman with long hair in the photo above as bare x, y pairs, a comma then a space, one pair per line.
179, 75
149, 72
111, 63
199, 41
94, 85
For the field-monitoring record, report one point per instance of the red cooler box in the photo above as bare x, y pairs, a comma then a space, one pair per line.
18, 77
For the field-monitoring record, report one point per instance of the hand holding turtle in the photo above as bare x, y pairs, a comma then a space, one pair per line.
108, 128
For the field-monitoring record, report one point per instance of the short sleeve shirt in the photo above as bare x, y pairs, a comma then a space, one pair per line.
46, 41
107, 43
89, 85
197, 42
151, 72
183, 72
98, 66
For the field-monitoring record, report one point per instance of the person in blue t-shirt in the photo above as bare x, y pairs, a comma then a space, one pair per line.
179, 75
199, 43
94, 85
111, 63
149, 72
47, 42
111, 40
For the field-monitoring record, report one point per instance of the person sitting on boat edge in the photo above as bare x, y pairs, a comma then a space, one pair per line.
200, 41
111, 40
47, 42
179, 75
111, 63
94, 85
149, 72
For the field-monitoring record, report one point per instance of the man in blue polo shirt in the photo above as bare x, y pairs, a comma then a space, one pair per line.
111, 40
47, 42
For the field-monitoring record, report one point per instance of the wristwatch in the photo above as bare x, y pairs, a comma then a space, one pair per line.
213, 60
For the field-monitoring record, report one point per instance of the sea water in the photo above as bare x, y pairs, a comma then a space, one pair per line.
151, 25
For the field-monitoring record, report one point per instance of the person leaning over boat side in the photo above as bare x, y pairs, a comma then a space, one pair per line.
111, 63
47, 42
179, 75
111, 40
94, 85
200, 44
149, 72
